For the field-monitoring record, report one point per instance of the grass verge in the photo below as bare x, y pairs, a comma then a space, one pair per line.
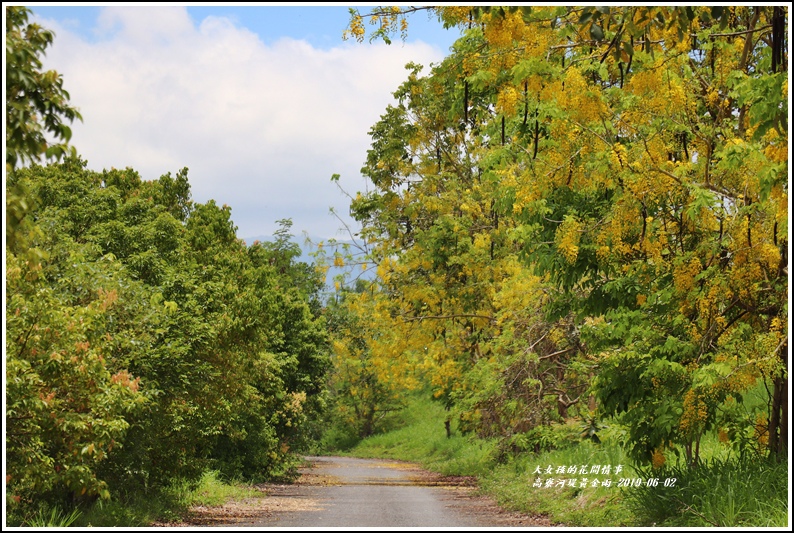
170, 505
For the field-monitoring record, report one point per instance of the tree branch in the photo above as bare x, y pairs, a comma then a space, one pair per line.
751, 30
444, 317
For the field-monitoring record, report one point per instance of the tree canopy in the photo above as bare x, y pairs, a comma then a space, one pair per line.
582, 195
150, 344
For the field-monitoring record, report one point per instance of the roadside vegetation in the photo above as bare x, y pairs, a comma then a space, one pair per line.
579, 224
172, 504
728, 490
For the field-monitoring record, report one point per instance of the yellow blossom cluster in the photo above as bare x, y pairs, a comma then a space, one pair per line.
657, 458
646, 84
684, 274
708, 305
355, 29
527, 191
654, 247
582, 101
761, 430
455, 14
695, 413
778, 200
745, 277
501, 32
621, 224
506, 100
776, 150
603, 252
471, 63
713, 97
742, 380
778, 326
567, 238
618, 156
769, 255
660, 91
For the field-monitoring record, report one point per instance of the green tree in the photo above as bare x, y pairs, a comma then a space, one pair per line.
37, 106
222, 349
366, 382
68, 404
445, 236
36, 102
69, 401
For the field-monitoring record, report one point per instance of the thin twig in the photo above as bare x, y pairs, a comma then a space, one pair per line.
443, 317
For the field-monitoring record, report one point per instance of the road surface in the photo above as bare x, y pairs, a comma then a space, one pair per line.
347, 492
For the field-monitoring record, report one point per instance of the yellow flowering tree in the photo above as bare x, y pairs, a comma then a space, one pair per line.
371, 363
442, 234
634, 157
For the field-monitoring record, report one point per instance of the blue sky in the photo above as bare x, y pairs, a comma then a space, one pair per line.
262, 103
320, 25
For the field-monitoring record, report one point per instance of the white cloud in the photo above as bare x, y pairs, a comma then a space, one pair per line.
262, 128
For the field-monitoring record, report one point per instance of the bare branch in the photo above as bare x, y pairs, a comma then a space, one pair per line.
444, 317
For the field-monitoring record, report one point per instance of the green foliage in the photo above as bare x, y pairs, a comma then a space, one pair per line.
361, 393
67, 403
131, 512
36, 102
183, 347
165, 345
173, 503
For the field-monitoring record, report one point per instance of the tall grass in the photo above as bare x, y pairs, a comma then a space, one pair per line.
513, 484
54, 517
729, 492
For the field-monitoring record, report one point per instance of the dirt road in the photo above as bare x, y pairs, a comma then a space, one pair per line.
347, 492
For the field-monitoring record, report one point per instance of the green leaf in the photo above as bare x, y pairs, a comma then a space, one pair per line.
596, 32
586, 16
628, 48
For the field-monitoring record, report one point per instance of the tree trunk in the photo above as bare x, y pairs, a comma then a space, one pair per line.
778, 417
